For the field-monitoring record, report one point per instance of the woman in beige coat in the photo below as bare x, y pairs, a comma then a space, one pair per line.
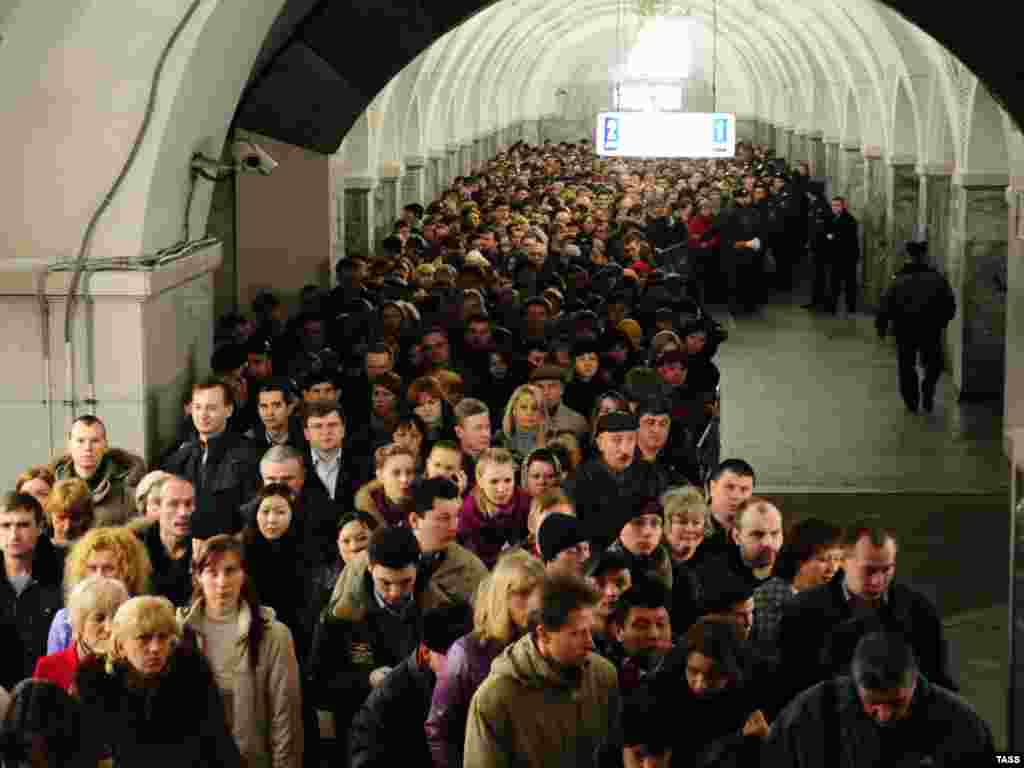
252, 656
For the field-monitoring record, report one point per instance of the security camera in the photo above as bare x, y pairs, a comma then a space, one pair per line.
252, 158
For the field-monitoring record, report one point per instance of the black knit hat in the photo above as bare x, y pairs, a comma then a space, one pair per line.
616, 421
557, 533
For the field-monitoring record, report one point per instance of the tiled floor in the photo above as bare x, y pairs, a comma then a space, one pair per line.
812, 402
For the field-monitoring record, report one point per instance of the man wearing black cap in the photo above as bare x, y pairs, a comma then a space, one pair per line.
561, 418
639, 541
562, 544
610, 482
918, 305
608, 573
404, 698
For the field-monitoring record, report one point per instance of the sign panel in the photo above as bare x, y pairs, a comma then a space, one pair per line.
666, 134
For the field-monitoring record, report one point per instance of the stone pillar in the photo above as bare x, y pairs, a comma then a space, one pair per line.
874, 207
746, 129
799, 149
453, 167
977, 257
833, 169
936, 204
816, 155
1014, 410
360, 215
851, 176
465, 156
390, 207
785, 150
413, 188
531, 131
435, 173
902, 195
140, 339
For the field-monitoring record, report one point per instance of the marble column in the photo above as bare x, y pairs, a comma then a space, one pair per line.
413, 190
140, 339
873, 207
453, 166
936, 214
390, 204
360, 215
851, 181
977, 258
903, 197
785, 148
799, 148
1014, 389
833, 171
816, 155
746, 129
467, 157
435, 174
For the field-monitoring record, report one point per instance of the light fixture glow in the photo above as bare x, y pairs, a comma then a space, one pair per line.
663, 50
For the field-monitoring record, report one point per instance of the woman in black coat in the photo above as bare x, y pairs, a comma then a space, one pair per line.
281, 563
152, 702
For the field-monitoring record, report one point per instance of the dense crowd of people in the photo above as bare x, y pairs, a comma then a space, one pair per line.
467, 508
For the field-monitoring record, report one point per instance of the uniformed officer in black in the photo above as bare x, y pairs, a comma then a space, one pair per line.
918, 305
841, 250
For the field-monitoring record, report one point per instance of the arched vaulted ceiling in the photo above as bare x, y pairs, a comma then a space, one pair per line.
853, 70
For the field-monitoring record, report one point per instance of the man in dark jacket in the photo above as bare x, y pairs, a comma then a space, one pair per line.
918, 306
754, 544
742, 244
886, 713
30, 594
840, 246
222, 466
820, 627
404, 697
611, 482
367, 630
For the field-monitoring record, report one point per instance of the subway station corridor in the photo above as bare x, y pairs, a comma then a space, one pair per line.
840, 444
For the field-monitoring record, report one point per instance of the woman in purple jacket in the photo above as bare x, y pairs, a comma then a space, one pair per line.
494, 514
499, 619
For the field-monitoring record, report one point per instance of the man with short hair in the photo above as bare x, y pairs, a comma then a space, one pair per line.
437, 348
319, 387
317, 515
448, 572
110, 473
840, 246
642, 628
821, 626
445, 460
549, 700
275, 403
608, 573
756, 541
327, 466
473, 428
611, 481
30, 592
405, 696
885, 713
550, 379
169, 541
222, 466
731, 483
366, 630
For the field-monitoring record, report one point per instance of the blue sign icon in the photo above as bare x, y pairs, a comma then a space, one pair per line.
720, 130
611, 133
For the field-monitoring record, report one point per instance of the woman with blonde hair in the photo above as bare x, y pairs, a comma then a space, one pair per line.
91, 608
153, 700
525, 426
69, 511
686, 512
112, 552
494, 513
500, 618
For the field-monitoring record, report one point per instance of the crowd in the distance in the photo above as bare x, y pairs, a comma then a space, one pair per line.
467, 509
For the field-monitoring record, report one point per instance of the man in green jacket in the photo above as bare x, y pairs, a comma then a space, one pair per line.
549, 701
